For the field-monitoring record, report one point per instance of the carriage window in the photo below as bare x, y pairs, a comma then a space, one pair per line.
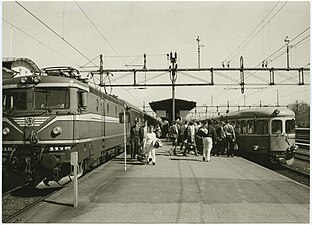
251, 126
262, 127
116, 110
14, 99
277, 127
244, 127
51, 98
237, 126
290, 126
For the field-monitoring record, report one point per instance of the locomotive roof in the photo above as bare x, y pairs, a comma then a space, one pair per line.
129, 105
47, 80
261, 112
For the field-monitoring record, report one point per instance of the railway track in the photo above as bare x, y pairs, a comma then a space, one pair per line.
20, 199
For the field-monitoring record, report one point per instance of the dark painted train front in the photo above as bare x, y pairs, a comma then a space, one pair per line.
47, 117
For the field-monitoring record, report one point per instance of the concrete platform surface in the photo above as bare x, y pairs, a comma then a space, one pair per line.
178, 189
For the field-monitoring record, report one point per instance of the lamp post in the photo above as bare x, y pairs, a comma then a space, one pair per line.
287, 45
198, 50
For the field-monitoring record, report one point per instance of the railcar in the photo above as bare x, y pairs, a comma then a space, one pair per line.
265, 132
46, 117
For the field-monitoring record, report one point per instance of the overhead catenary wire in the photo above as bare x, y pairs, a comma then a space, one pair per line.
261, 22
248, 74
238, 48
53, 31
98, 30
40, 42
258, 32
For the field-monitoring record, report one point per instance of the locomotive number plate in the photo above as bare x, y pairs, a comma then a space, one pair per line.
29, 121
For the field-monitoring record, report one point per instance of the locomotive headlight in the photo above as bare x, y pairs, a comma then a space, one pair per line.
23, 80
256, 147
57, 130
36, 79
5, 131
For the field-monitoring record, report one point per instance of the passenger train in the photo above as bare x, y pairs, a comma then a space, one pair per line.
48, 116
266, 132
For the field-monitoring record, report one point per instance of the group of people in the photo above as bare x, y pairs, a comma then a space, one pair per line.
144, 141
209, 137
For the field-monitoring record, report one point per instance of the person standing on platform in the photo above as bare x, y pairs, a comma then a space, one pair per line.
135, 138
198, 138
143, 131
220, 138
182, 136
208, 133
230, 138
148, 145
174, 133
158, 131
190, 131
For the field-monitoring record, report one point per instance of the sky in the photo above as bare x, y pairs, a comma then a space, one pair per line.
78, 32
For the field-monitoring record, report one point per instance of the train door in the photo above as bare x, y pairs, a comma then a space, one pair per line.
102, 113
277, 138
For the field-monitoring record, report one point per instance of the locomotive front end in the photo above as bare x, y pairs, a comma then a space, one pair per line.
38, 127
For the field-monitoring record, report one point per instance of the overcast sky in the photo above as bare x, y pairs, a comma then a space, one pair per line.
124, 31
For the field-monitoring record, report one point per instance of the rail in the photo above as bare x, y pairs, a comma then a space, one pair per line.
303, 142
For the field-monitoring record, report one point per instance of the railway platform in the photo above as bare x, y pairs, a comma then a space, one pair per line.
178, 189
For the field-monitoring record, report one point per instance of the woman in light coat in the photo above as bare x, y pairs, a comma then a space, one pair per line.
148, 145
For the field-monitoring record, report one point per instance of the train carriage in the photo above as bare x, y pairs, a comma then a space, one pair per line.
265, 132
46, 117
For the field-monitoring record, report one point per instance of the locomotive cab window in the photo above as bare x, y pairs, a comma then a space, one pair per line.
290, 126
14, 99
251, 126
51, 98
243, 127
262, 126
277, 126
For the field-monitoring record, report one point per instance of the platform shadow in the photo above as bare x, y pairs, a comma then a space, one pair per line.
58, 203
186, 159
133, 163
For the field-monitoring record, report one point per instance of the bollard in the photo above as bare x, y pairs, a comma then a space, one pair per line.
74, 162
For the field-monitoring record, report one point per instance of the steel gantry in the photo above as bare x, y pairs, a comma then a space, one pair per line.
174, 70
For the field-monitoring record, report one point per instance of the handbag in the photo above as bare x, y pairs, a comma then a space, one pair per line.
157, 144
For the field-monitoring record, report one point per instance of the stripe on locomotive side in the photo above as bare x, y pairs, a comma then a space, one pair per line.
90, 117
67, 141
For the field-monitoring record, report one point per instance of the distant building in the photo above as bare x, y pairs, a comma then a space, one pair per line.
163, 108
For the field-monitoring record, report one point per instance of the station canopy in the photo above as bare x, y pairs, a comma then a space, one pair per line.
163, 108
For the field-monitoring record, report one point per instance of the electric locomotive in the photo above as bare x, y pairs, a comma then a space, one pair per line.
265, 132
46, 117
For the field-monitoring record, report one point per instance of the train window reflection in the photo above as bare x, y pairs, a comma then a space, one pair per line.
277, 127
251, 126
14, 99
262, 126
51, 98
243, 127
290, 126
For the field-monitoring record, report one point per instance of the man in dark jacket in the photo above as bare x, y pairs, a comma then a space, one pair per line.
230, 138
135, 138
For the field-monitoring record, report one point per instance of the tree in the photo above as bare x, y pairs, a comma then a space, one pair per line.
302, 113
